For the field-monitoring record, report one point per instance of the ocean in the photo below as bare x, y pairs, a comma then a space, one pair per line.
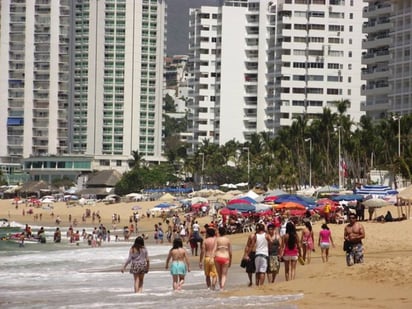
77, 276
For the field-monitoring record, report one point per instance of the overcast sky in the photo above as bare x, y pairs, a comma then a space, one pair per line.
178, 24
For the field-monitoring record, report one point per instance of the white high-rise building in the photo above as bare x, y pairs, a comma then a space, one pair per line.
34, 79
82, 77
377, 58
401, 61
272, 61
118, 77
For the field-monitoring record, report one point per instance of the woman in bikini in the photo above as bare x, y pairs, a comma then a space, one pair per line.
180, 263
307, 240
223, 256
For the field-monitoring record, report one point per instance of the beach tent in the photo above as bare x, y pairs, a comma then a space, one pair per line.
167, 197
376, 190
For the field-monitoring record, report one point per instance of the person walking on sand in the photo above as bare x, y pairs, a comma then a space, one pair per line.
139, 259
290, 251
223, 256
206, 258
325, 240
274, 252
261, 240
249, 258
353, 235
307, 240
180, 264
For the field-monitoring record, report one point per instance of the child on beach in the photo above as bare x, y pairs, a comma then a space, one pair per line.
180, 263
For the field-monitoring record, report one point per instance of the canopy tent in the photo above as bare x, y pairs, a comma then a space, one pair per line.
376, 190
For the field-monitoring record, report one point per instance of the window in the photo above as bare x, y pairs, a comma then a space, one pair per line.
104, 162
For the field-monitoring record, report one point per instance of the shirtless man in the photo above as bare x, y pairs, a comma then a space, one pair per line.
249, 256
354, 233
206, 258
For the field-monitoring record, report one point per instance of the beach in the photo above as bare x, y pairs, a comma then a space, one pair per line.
382, 281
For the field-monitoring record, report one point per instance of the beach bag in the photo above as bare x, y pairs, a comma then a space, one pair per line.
347, 246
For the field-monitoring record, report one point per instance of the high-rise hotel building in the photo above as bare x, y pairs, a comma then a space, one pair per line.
388, 58
257, 65
82, 77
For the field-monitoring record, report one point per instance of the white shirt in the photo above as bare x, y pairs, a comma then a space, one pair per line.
262, 244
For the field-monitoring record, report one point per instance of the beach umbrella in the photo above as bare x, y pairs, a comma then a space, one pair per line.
305, 201
324, 201
228, 212
289, 205
242, 207
243, 200
297, 212
375, 203
270, 199
347, 197
199, 205
163, 205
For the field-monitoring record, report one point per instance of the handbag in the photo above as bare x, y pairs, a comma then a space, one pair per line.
301, 260
243, 263
347, 246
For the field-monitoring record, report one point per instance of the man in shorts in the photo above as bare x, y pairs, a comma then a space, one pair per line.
249, 257
354, 233
206, 258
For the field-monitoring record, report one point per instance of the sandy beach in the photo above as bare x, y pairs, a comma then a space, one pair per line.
383, 281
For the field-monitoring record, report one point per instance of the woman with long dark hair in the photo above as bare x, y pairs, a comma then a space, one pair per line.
139, 259
290, 251
307, 240
325, 240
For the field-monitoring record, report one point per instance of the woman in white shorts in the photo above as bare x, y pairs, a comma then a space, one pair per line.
325, 240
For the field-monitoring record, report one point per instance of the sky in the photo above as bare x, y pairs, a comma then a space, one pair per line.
178, 24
